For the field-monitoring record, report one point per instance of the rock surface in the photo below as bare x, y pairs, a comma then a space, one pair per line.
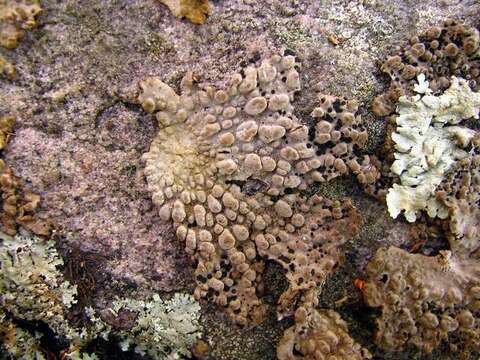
80, 135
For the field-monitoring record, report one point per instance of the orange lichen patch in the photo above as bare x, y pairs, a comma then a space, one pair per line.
201, 349
319, 334
424, 300
439, 53
194, 10
460, 193
227, 168
359, 283
6, 69
16, 17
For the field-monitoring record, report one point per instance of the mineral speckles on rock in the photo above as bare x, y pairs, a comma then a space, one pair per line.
211, 142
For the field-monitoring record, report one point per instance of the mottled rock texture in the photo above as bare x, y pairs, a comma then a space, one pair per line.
80, 135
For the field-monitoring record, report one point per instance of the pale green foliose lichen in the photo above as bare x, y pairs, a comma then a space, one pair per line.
18, 343
428, 142
164, 329
32, 288
31, 285
78, 355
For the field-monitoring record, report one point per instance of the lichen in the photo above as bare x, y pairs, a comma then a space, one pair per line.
428, 142
19, 343
162, 328
459, 192
31, 285
424, 300
33, 289
440, 53
18, 204
319, 334
16, 17
228, 167
6, 68
194, 10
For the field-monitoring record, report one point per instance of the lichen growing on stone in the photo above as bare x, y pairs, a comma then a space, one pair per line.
31, 285
319, 334
161, 328
6, 68
18, 343
32, 288
424, 300
459, 192
16, 17
338, 137
18, 204
226, 168
194, 10
439, 53
428, 142
311, 252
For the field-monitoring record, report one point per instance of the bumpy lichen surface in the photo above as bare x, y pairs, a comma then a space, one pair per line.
428, 142
424, 300
318, 334
194, 10
18, 204
226, 168
440, 53
460, 194
16, 17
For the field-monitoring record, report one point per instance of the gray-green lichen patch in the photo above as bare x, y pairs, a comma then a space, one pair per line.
31, 285
162, 329
428, 142
33, 288
18, 343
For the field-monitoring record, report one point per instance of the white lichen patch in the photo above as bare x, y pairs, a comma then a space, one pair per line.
428, 142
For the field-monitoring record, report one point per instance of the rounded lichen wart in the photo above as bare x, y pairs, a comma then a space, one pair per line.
211, 144
338, 136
